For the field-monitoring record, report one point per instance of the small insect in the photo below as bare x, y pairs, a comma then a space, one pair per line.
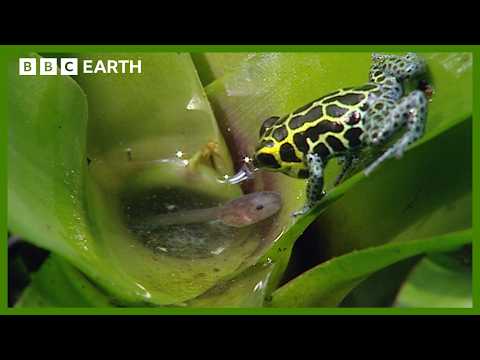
343, 123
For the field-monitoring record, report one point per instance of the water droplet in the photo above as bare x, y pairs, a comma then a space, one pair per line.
259, 286
143, 292
217, 251
247, 159
195, 103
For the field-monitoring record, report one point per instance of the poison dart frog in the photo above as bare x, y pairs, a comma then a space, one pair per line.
343, 123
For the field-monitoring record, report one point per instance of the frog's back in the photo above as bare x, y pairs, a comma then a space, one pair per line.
328, 126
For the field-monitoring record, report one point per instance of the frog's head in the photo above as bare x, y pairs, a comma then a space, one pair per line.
266, 154
274, 153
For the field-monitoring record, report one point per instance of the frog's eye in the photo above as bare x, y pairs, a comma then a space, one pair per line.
268, 123
263, 160
265, 143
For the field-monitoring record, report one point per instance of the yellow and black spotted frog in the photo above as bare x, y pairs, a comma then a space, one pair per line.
342, 123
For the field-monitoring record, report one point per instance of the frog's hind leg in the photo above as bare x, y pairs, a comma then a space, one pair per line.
346, 161
410, 111
315, 183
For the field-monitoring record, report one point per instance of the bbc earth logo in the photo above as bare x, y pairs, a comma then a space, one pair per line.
72, 66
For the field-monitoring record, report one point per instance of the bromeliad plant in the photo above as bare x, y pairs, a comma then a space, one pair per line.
77, 146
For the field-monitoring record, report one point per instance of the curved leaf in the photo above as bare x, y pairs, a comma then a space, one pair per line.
328, 283
138, 123
212, 66
59, 284
247, 289
415, 197
381, 288
433, 284
46, 159
153, 114
277, 83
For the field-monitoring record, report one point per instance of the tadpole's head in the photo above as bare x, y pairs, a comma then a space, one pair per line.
251, 208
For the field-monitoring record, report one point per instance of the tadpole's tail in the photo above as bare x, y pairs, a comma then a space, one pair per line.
183, 217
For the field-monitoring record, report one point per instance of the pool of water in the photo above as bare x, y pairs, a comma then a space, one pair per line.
172, 263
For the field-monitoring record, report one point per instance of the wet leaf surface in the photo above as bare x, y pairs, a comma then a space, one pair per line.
58, 284
431, 284
137, 124
128, 166
327, 284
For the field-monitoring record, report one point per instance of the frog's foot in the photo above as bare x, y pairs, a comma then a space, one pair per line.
347, 161
396, 151
315, 183
386, 155
301, 212
308, 207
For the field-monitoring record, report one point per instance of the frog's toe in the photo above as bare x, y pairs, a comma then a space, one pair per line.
398, 152
301, 212
371, 168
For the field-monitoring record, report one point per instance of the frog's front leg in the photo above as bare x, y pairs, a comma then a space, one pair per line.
315, 183
410, 111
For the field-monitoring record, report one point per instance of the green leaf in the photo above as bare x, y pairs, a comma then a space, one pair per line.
59, 284
46, 172
381, 288
154, 113
247, 289
136, 125
137, 122
46, 161
417, 196
277, 83
328, 283
212, 66
433, 284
